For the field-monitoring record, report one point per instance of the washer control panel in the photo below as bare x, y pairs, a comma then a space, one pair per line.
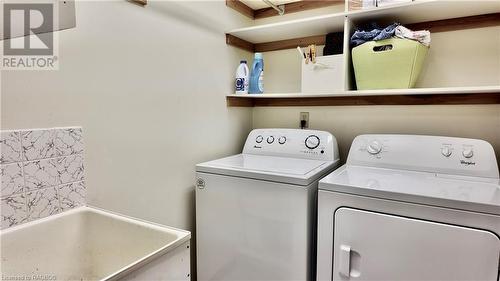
308, 144
447, 155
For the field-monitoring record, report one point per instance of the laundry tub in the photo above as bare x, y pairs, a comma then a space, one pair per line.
388, 64
91, 244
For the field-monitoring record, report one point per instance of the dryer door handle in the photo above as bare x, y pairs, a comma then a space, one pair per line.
345, 260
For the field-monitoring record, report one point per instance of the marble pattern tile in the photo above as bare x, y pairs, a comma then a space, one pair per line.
41, 173
42, 203
71, 195
11, 147
38, 144
68, 141
70, 169
13, 210
12, 179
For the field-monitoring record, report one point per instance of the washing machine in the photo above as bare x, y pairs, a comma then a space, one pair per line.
256, 211
409, 207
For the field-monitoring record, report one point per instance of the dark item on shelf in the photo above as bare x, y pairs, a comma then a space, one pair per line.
334, 44
375, 33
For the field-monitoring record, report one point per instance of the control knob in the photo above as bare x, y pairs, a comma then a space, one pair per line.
312, 142
374, 147
282, 140
259, 139
270, 139
468, 153
446, 151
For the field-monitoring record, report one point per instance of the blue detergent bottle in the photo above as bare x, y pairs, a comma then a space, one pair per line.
257, 75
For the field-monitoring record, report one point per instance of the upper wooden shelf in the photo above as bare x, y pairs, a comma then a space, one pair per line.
417, 96
264, 11
428, 10
318, 25
430, 13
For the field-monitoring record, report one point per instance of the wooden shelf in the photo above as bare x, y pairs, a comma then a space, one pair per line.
318, 25
422, 13
420, 96
436, 15
427, 10
290, 8
295, 7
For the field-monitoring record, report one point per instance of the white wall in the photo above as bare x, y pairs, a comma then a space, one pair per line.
148, 86
346, 122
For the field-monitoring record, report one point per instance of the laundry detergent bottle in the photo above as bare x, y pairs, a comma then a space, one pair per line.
242, 77
257, 75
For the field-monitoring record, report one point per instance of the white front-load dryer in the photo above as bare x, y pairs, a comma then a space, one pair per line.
411, 208
256, 211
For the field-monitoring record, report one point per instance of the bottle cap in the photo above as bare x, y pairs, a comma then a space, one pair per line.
258, 55
243, 61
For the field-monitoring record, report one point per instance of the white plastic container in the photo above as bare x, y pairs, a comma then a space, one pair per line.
354, 5
383, 3
324, 76
242, 78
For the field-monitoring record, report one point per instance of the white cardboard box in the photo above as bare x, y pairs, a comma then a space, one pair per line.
382, 3
325, 76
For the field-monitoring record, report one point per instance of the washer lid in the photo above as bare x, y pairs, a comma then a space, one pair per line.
442, 190
270, 168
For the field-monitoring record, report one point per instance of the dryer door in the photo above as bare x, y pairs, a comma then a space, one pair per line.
374, 246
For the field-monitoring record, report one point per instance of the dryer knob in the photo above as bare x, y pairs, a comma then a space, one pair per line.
446, 151
374, 147
468, 153
270, 139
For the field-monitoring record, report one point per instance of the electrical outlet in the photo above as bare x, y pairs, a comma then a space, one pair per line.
304, 120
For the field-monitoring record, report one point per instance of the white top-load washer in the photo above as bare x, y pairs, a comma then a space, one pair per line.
411, 208
256, 211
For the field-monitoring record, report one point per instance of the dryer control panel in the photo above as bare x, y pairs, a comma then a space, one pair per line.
442, 155
307, 144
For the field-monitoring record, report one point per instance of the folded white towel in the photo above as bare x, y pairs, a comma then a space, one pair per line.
422, 36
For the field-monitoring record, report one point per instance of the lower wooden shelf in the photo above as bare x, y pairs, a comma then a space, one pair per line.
420, 96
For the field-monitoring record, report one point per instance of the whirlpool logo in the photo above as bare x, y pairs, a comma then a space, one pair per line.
467, 163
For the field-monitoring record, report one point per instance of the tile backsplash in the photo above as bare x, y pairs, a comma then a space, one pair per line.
41, 173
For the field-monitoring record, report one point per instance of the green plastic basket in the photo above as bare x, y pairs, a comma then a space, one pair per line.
388, 64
